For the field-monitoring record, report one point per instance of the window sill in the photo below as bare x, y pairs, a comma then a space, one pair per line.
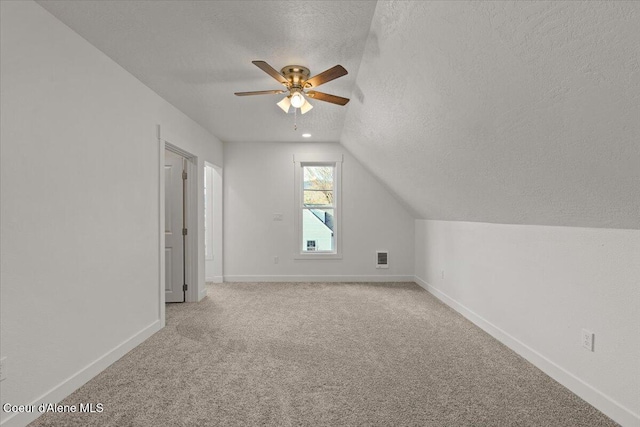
317, 256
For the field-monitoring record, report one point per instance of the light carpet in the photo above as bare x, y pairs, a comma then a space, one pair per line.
323, 354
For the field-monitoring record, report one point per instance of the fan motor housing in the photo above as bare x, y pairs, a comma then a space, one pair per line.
295, 74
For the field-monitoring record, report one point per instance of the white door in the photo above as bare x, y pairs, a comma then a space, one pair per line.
174, 166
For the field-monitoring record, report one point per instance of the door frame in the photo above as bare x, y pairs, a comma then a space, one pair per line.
216, 224
191, 205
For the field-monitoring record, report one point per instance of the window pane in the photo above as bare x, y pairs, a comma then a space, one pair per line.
318, 197
318, 185
317, 230
318, 177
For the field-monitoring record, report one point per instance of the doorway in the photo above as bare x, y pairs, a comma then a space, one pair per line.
178, 225
175, 226
194, 245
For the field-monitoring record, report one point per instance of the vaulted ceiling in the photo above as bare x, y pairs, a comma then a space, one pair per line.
196, 54
504, 112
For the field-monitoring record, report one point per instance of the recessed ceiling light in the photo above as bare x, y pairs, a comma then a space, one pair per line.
306, 135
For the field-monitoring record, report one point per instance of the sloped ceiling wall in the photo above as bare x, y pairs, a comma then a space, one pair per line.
504, 112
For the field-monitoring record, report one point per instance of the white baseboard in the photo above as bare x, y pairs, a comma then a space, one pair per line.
593, 396
71, 384
306, 278
202, 294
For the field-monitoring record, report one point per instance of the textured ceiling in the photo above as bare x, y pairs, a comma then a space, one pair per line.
504, 112
196, 54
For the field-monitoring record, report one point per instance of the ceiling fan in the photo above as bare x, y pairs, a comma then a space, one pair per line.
297, 82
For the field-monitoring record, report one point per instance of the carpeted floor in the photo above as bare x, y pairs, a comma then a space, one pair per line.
323, 354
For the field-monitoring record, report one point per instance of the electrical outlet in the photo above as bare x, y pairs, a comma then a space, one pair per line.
276, 259
442, 274
277, 217
3, 369
587, 338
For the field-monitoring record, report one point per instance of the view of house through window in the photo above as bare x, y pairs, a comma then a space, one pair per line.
318, 209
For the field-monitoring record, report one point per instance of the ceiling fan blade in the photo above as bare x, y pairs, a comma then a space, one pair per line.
271, 71
327, 97
260, 92
326, 76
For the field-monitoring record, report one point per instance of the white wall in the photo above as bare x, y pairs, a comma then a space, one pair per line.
536, 287
259, 181
80, 198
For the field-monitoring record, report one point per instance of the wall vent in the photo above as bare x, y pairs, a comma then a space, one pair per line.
382, 259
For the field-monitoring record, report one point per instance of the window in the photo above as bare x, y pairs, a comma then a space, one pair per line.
318, 207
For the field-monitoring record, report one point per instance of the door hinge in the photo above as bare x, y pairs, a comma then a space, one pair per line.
185, 287
184, 175
184, 231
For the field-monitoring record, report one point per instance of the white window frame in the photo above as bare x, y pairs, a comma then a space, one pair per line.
299, 162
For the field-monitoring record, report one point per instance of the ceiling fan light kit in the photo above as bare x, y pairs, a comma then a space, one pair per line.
305, 107
296, 79
297, 100
284, 104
